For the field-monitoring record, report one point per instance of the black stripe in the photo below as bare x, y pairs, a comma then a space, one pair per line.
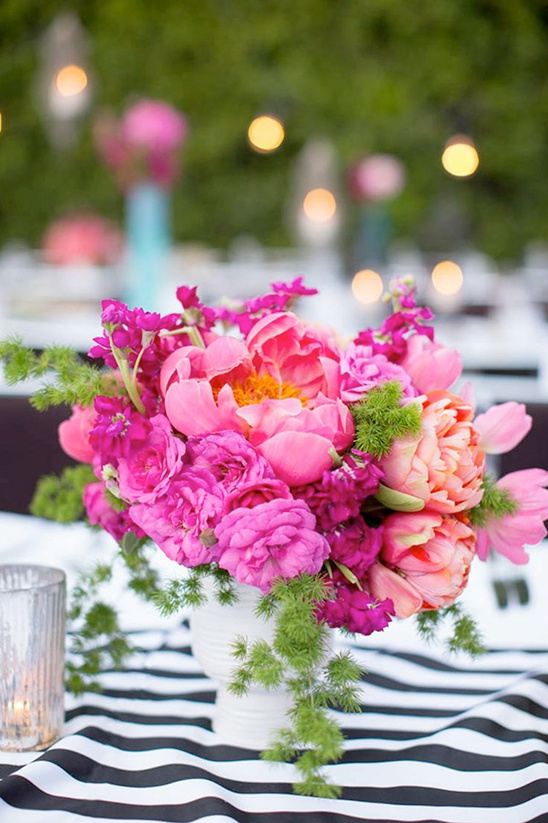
140, 719
144, 694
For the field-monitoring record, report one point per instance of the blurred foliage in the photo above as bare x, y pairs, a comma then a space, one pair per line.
370, 75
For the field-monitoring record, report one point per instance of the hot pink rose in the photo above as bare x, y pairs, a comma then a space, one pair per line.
362, 370
274, 539
74, 434
147, 472
424, 561
444, 466
430, 365
502, 427
508, 534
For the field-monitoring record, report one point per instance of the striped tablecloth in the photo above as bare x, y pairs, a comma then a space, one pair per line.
458, 742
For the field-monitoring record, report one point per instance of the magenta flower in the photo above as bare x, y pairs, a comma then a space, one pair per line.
274, 539
355, 610
253, 493
502, 427
118, 428
181, 523
100, 513
355, 545
507, 535
149, 469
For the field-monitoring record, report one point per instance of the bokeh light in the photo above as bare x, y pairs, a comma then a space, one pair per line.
367, 286
460, 157
319, 205
447, 278
265, 134
71, 80
1, 121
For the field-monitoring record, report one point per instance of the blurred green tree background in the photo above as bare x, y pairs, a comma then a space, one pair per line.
369, 75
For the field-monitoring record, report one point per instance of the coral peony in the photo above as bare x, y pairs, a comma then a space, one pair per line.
424, 561
444, 466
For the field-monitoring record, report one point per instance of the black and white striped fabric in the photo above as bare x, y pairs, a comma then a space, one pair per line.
437, 741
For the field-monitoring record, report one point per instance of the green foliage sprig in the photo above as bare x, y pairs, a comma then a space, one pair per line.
75, 383
299, 658
60, 497
380, 418
496, 502
465, 635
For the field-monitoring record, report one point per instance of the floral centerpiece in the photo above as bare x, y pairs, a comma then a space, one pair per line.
345, 481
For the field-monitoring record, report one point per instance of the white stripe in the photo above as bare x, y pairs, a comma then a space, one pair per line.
48, 778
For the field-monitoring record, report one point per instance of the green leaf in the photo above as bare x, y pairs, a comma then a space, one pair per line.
382, 416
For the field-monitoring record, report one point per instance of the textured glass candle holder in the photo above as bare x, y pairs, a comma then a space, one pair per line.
32, 654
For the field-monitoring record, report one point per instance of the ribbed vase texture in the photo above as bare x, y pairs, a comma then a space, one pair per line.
252, 720
32, 654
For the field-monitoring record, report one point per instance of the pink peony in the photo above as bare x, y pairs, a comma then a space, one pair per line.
424, 561
149, 469
228, 387
430, 365
181, 523
74, 434
502, 427
444, 467
508, 534
362, 370
274, 539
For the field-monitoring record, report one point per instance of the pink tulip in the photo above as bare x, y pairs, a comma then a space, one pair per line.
424, 561
444, 466
74, 434
508, 534
502, 427
430, 365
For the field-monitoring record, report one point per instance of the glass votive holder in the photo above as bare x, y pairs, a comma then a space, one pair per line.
32, 656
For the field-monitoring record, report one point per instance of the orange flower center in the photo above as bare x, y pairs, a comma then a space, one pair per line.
254, 389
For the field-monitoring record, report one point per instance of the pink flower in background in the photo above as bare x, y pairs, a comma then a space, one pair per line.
274, 539
148, 470
508, 534
82, 239
74, 434
424, 561
362, 370
430, 365
154, 126
444, 466
502, 427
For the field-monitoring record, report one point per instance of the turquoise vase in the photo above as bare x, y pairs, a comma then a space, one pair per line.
148, 230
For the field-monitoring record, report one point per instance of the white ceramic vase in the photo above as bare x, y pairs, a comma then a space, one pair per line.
250, 721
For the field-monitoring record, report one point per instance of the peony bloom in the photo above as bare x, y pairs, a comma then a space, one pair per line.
430, 365
424, 561
444, 467
502, 427
508, 534
274, 539
74, 434
228, 386
147, 472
